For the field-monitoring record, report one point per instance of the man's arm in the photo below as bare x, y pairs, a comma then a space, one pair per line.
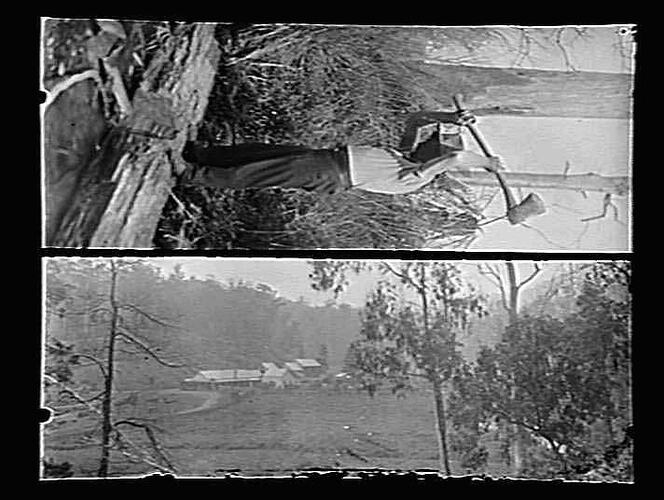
461, 160
467, 160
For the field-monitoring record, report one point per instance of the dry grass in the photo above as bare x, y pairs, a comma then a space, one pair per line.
323, 86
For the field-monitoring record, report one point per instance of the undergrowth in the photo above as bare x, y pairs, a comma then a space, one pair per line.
323, 86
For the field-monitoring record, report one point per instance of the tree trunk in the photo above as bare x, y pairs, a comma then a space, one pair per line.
106, 427
441, 426
513, 291
618, 186
516, 444
119, 196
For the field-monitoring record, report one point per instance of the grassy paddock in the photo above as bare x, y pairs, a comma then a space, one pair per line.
285, 430
322, 86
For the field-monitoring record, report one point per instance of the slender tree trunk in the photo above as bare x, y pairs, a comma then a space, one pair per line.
441, 425
108, 382
516, 444
513, 292
618, 186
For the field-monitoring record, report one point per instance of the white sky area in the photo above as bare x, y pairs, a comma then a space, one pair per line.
290, 277
606, 48
544, 145
547, 144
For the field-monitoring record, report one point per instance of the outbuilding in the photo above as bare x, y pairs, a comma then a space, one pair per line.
214, 379
310, 367
277, 377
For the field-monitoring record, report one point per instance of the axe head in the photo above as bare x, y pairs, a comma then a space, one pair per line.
530, 206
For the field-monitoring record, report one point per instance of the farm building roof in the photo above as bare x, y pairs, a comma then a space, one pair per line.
275, 372
268, 365
199, 377
308, 363
225, 375
291, 365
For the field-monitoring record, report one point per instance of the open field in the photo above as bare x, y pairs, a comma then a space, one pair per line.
272, 431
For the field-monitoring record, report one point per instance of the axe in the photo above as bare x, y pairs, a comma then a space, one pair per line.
516, 213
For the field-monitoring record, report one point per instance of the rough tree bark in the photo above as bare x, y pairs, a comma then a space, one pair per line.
618, 186
121, 192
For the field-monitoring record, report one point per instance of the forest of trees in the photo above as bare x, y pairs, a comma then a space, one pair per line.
552, 384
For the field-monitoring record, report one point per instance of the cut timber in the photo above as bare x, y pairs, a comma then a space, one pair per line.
122, 190
618, 186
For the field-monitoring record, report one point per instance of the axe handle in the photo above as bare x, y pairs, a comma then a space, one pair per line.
476, 135
509, 197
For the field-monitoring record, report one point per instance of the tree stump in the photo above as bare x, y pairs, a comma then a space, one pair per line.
120, 194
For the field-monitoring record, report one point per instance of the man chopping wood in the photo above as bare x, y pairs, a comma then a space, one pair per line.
431, 144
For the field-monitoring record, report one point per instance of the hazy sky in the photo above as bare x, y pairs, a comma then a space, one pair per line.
546, 145
607, 48
290, 277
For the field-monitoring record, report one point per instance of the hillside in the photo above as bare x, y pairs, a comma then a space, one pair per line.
215, 325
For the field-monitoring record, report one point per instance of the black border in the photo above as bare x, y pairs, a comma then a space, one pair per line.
450, 14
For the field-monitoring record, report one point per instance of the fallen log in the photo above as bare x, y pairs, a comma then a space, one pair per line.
615, 185
120, 194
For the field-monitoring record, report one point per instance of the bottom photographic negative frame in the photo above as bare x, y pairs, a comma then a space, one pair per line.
210, 367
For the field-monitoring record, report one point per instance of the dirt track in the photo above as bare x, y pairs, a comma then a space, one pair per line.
210, 402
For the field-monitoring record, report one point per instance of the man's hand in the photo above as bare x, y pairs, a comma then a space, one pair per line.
407, 167
465, 117
414, 169
494, 164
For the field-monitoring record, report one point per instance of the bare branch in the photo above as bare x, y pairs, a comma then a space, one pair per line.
68, 390
147, 349
120, 436
606, 203
535, 272
563, 49
96, 361
491, 221
544, 236
514, 421
493, 275
121, 440
146, 315
567, 168
402, 276
151, 436
78, 398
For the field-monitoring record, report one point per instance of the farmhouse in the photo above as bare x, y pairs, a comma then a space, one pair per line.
267, 366
294, 368
275, 376
214, 379
310, 367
